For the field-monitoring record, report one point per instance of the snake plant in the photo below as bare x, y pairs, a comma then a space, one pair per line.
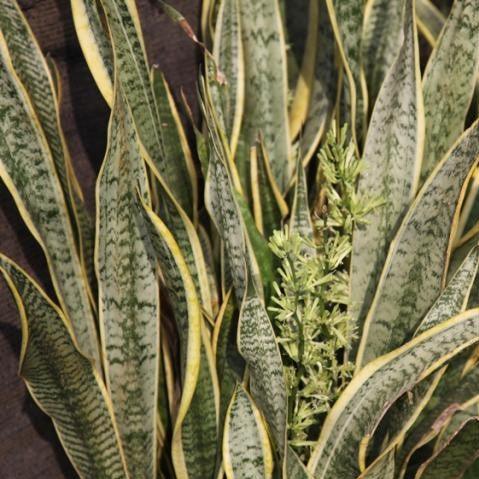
284, 287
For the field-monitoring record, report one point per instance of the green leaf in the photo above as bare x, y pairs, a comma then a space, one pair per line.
265, 109
256, 339
63, 382
246, 450
370, 393
194, 440
323, 89
133, 74
228, 54
294, 467
95, 45
347, 19
415, 268
449, 81
34, 74
300, 218
454, 458
128, 295
455, 296
381, 41
392, 156
430, 20
28, 170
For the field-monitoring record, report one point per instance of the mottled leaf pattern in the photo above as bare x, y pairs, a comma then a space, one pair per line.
246, 450
430, 20
449, 81
376, 386
382, 469
454, 458
392, 156
415, 268
265, 109
63, 382
133, 75
128, 295
27, 168
381, 42
300, 219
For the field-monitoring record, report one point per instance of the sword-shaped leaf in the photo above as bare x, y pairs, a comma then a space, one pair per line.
246, 449
449, 81
454, 457
392, 157
371, 392
128, 295
228, 53
63, 382
382, 469
265, 109
256, 339
133, 74
95, 45
194, 440
323, 94
381, 42
28, 170
300, 219
34, 74
415, 268
347, 20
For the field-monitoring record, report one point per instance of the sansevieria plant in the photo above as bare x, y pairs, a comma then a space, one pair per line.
285, 288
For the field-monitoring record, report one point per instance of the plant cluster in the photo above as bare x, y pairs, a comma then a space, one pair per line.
262, 293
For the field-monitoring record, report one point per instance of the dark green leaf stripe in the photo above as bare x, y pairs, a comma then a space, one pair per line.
246, 450
324, 86
64, 383
128, 295
228, 53
392, 157
265, 107
28, 170
256, 339
35, 75
133, 74
95, 44
363, 403
415, 268
383, 22
449, 81
194, 442
455, 296
454, 458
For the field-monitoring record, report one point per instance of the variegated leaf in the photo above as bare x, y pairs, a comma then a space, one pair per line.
419, 253
265, 109
194, 440
454, 457
133, 74
228, 53
128, 295
35, 75
449, 81
63, 382
28, 170
294, 467
324, 86
347, 19
246, 450
382, 469
95, 44
362, 404
300, 219
381, 41
392, 156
